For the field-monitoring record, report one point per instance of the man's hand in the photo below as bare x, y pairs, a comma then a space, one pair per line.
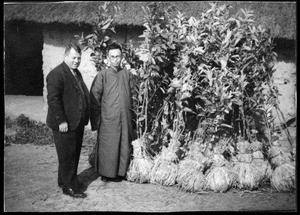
63, 127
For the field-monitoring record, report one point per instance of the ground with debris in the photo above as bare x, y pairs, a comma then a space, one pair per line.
30, 174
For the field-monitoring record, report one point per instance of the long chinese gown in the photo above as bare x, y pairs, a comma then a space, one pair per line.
111, 115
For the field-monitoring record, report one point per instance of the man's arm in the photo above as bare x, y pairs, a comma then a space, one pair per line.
55, 87
95, 101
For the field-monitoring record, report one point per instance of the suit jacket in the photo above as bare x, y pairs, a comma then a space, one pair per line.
64, 98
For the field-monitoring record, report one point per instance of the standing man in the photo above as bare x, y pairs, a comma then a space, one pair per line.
68, 113
111, 116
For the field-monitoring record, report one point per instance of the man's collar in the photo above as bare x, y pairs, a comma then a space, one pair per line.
115, 69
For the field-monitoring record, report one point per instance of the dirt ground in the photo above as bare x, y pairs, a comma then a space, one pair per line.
30, 183
30, 186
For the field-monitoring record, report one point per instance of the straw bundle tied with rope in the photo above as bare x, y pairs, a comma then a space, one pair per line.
262, 169
257, 155
256, 146
244, 147
283, 177
220, 179
164, 171
244, 158
141, 165
190, 175
275, 151
251, 168
282, 159
279, 154
246, 177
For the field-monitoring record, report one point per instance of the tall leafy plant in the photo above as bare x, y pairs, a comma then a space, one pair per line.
232, 60
101, 37
153, 54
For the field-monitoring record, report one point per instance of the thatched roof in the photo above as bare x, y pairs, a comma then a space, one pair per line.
280, 17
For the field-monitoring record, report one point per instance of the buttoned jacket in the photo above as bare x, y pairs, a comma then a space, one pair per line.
64, 98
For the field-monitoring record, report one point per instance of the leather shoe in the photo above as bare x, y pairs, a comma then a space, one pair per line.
72, 193
121, 178
80, 185
107, 179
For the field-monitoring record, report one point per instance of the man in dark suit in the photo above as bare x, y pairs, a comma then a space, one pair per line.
68, 113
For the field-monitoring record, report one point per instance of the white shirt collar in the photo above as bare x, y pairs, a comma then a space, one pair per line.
73, 72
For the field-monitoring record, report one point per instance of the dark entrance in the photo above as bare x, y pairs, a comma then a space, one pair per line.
23, 59
285, 49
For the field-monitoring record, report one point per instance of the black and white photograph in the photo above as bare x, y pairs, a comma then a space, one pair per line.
149, 106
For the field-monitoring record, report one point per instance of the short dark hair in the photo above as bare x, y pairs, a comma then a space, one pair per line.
114, 46
72, 46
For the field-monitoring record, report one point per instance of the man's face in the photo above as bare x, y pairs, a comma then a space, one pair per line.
115, 57
73, 59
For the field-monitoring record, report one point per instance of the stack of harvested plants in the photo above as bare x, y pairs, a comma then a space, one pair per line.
190, 170
251, 167
141, 164
261, 167
247, 178
220, 176
283, 176
165, 169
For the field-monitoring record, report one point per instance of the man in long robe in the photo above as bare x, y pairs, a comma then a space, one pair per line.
110, 98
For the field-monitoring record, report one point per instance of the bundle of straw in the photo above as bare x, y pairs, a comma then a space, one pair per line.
256, 146
279, 155
246, 177
165, 170
244, 158
282, 159
220, 179
219, 148
244, 147
251, 168
262, 169
141, 165
257, 155
283, 177
190, 175
219, 160
275, 151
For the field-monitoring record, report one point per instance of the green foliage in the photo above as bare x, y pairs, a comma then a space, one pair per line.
29, 131
100, 38
198, 79
9, 123
149, 73
221, 75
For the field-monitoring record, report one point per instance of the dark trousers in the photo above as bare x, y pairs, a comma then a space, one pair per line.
68, 147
